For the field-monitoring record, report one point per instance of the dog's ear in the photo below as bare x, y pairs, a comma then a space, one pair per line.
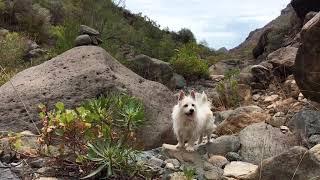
204, 97
193, 94
181, 96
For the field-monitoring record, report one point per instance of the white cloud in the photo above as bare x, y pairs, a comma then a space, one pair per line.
220, 23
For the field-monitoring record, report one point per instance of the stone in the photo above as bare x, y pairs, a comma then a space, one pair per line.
218, 161
88, 30
221, 116
224, 66
152, 69
175, 162
177, 81
271, 98
80, 74
156, 162
7, 174
170, 166
213, 174
297, 163
222, 145
256, 97
241, 118
233, 156
47, 178
305, 124
244, 94
35, 53
278, 119
240, 170
3, 32
83, 40
283, 61
178, 176
261, 77
32, 45
314, 140
217, 78
260, 141
47, 171
306, 63
291, 88
284, 129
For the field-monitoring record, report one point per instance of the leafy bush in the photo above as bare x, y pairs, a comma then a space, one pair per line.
188, 63
185, 36
64, 36
228, 88
98, 132
13, 48
189, 173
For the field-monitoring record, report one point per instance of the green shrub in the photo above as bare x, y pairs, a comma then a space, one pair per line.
13, 48
64, 36
2, 6
98, 132
188, 63
189, 173
228, 88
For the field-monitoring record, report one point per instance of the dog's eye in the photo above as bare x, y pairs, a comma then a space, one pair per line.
185, 105
192, 105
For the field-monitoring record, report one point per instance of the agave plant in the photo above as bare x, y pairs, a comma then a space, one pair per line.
112, 159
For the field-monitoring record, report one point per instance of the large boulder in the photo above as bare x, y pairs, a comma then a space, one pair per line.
305, 124
283, 61
307, 60
241, 118
261, 141
77, 75
296, 164
152, 69
303, 7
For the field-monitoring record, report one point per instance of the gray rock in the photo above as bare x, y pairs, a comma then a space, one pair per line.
221, 116
6, 174
32, 45
3, 32
309, 16
35, 53
261, 141
47, 171
305, 124
214, 174
223, 66
233, 156
283, 58
240, 170
314, 140
218, 161
80, 74
156, 163
151, 69
88, 30
83, 40
178, 81
261, 77
175, 162
222, 145
278, 120
307, 60
297, 163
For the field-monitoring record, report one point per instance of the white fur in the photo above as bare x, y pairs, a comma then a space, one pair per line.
188, 128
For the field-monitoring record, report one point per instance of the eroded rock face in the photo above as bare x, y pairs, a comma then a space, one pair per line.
241, 118
261, 141
297, 163
307, 60
77, 75
303, 7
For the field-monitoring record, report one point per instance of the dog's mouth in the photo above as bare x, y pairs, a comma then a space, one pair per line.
189, 114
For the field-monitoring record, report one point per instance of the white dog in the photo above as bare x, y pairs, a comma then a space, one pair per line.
192, 118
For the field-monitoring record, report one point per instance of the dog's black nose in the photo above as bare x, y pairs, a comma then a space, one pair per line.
191, 110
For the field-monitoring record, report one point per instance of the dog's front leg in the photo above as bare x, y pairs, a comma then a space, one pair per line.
190, 146
181, 141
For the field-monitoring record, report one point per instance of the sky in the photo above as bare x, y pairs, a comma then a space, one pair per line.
224, 23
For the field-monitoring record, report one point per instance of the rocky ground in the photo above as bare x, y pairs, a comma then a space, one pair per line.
271, 133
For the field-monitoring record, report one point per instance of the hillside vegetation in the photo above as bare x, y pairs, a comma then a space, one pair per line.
55, 24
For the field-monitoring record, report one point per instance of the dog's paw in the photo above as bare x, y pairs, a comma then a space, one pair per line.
190, 149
